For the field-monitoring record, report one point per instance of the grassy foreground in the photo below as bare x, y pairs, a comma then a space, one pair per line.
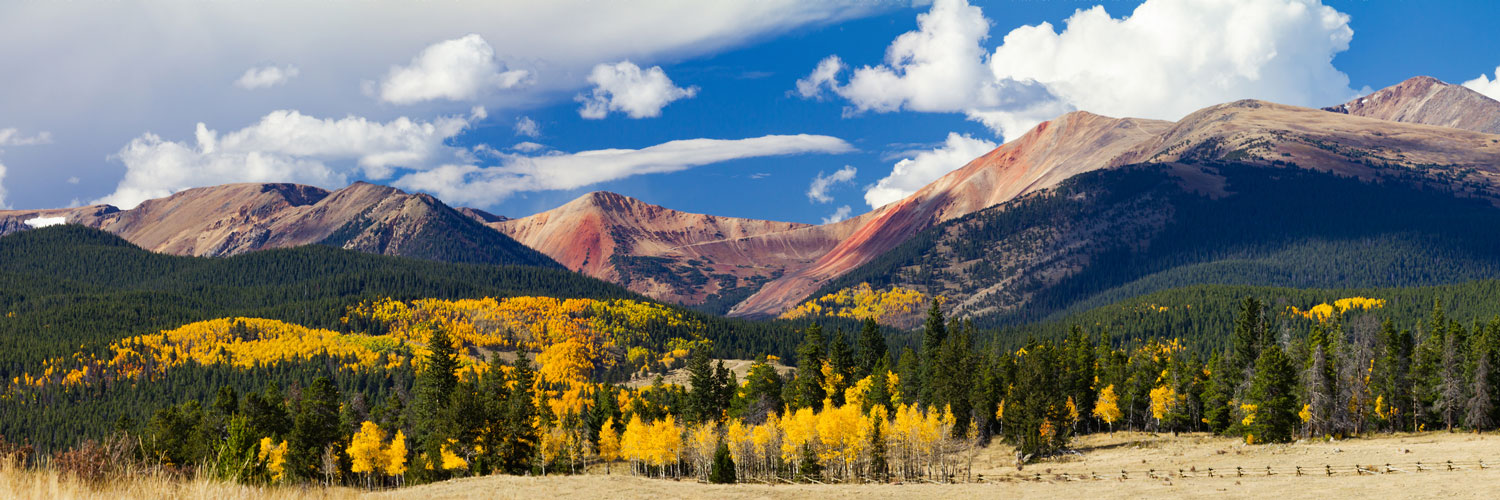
1156, 466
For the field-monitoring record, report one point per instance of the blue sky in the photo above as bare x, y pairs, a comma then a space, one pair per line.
288, 93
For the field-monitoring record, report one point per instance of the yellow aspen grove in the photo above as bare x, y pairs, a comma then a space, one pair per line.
365, 453
1107, 408
703, 440
609, 443
273, 457
395, 455
1163, 400
451, 461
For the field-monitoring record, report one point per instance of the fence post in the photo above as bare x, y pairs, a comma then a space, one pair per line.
1268, 470
1328, 468
1239, 471
1299, 470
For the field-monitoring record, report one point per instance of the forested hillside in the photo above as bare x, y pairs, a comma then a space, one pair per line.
1105, 236
69, 292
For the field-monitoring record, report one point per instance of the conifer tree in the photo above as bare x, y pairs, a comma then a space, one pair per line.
763, 388
872, 347
809, 383
1395, 379
878, 463
722, 471
1273, 391
704, 397
1248, 339
435, 385
934, 332
519, 435
1450, 397
1481, 403
841, 361
1218, 395
314, 429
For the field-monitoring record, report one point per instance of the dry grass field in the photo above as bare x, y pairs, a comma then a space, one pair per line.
1067, 477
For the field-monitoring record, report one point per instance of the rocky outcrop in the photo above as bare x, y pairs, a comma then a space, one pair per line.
1428, 101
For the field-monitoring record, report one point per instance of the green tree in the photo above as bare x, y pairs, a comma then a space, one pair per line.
1273, 391
1218, 395
934, 331
519, 440
872, 347
704, 396
809, 389
435, 385
314, 429
722, 471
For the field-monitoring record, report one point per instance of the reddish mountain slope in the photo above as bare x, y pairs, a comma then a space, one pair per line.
1428, 101
1071, 144
671, 255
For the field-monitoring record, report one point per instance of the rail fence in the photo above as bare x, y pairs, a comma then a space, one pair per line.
1248, 472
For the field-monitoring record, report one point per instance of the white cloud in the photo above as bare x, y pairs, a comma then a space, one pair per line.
624, 87
284, 146
838, 215
461, 69
3, 204
1164, 60
13, 137
818, 190
1485, 85
266, 77
911, 174
73, 180
826, 75
472, 184
528, 147
45, 221
525, 126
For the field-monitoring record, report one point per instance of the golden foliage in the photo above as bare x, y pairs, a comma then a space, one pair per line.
1323, 312
863, 302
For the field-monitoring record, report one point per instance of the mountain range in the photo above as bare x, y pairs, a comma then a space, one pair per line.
1081, 208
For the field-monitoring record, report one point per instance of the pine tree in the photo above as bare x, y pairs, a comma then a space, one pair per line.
841, 360
763, 387
1451, 386
810, 467
723, 467
314, 429
872, 347
880, 390
1218, 395
934, 332
1078, 359
703, 399
1395, 379
878, 464
1273, 391
435, 385
809, 383
1248, 339
1481, 404
519, 441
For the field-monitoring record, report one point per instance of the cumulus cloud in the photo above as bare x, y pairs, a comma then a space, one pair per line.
456, 70
624, 87
3, 204
838, 215
1485, 85
284, 146
818, 190
525, 126
266, 77
1164, 60
923, 167
38, 222
14, 137
486, 185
